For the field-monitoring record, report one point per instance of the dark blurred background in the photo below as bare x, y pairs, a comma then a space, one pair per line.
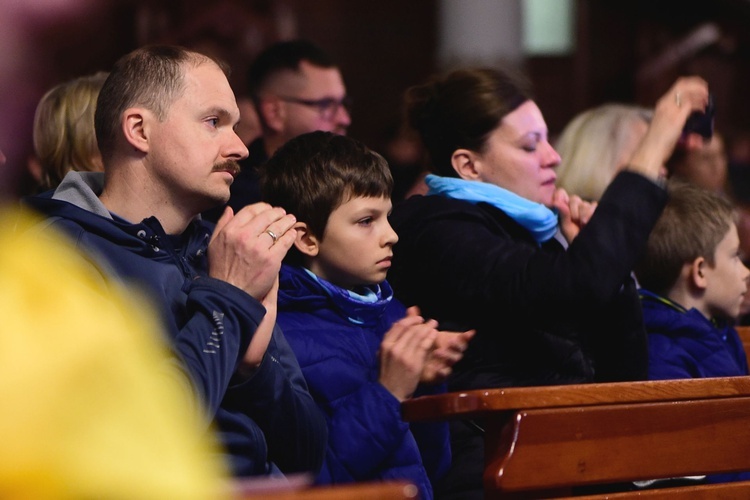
614, 50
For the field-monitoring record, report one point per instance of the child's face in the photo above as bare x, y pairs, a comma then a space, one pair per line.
357, 245
726, 279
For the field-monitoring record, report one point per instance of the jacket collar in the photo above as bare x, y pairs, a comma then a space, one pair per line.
300, 289
82, 189
77, 199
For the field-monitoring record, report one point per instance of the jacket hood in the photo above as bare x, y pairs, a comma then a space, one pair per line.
76, 199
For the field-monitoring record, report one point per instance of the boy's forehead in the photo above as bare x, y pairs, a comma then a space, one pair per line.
364, 201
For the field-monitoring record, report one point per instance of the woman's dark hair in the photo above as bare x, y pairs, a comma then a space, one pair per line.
460, 110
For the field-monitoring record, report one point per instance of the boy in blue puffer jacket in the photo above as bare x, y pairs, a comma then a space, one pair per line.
360, 350
693, 284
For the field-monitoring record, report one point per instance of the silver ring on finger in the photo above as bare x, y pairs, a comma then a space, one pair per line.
678, 99
272, 235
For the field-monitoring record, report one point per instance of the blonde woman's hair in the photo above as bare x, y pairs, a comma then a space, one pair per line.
592, 147
64, 137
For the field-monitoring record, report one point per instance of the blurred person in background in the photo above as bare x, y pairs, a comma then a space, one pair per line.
64, 136
704, 164
596, 144
296, 88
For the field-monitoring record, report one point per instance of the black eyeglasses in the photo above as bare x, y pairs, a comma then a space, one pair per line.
326, 107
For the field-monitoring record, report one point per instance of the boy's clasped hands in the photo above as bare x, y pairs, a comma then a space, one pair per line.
413, 351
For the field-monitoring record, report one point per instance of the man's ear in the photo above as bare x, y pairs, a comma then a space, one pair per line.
698, 273
135, 127
306, 242
274, 113
464, 162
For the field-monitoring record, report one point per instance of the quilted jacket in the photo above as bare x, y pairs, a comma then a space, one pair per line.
336, 339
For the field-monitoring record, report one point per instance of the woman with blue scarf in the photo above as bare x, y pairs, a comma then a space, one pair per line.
543, 278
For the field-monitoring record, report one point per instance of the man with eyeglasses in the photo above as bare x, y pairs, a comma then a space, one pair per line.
296, 88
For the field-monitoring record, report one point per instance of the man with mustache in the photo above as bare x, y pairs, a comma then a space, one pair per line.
296, 88
165, 123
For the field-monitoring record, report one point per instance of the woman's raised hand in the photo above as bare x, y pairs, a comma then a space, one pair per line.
687, 95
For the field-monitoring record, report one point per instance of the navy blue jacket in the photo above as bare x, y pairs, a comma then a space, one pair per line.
336, 340
685, 344
266, 421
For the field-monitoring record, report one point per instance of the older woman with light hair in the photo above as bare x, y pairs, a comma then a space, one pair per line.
598, 143
64, 137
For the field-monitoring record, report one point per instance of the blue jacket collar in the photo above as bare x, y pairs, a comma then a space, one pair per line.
300, 289
665, 315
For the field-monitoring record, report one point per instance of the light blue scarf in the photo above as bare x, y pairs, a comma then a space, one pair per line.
539, 220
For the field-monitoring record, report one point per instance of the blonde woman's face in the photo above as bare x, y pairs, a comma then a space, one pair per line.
518, 156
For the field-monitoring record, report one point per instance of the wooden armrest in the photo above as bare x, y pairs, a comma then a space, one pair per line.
474, 403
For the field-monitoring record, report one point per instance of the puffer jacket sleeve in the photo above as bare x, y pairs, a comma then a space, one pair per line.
667, 360
221, 321
367, 419
276, 397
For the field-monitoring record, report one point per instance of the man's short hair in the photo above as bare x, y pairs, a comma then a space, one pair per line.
692, 225
152, 77
313, 174
283, 56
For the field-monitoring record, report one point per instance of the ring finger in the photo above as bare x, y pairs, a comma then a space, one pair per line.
278, 228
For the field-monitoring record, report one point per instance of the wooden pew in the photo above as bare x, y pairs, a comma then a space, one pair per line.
300, 487
541, 442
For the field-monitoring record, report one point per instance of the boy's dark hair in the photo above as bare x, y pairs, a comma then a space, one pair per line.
313, 174
692, 225
284, 56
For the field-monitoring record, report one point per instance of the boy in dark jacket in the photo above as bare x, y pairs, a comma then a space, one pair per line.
360, 351
693, 283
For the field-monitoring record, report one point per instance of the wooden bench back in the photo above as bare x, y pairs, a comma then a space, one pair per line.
543, 441
562, 447
262, 489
